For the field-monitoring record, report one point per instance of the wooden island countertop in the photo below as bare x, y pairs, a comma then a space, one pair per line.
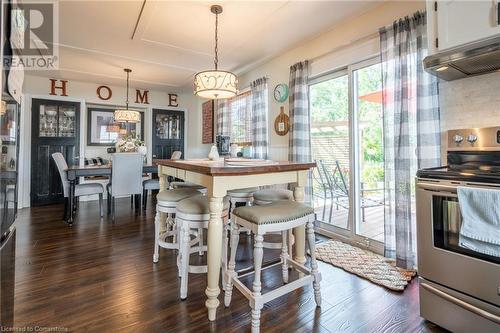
220, 168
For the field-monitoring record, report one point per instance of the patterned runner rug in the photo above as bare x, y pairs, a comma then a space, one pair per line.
364, 263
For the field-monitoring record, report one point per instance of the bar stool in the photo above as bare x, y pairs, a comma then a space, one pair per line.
268, 196
194, 213
276, 217
241, 196
166, 202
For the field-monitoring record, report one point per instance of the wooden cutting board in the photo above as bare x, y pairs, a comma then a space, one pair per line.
282, 122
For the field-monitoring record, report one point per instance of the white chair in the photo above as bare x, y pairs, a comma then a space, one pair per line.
80, 189
281, 217
194, 213
126, 178
166, 203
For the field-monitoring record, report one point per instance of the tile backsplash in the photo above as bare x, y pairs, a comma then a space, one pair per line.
468, 103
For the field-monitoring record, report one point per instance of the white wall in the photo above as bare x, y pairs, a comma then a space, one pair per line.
350, 41
85, 94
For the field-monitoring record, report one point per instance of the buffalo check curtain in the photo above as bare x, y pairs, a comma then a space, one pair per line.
411, 129
259, 118
299, 142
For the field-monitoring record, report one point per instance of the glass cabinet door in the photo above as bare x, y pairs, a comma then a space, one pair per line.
56, 121
48, 121
167, 126
66, 121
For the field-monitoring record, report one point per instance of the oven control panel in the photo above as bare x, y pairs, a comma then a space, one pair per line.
487, 138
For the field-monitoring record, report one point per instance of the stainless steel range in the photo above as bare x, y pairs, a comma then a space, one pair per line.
459, 286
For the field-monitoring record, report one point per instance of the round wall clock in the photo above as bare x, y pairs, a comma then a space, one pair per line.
281, 92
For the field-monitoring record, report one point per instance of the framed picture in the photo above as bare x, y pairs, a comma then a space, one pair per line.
207, 131
102, 130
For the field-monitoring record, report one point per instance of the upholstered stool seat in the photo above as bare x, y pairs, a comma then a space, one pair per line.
267, 196
166, 203
278, 212
272, 195
242, 192
167, 197
187, 185
198, 205
194, 213
281, 217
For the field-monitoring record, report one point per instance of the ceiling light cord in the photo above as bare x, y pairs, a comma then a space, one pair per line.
127, 90
216, 59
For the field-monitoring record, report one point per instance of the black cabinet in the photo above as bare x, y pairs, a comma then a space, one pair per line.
168, 133
55, 128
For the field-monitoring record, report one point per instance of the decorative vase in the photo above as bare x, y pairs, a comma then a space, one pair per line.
233, 150
143, 150
213, 154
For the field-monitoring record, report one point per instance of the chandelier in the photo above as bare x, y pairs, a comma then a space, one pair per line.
215, 83
126, 115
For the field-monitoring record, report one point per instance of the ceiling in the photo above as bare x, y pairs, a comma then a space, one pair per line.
175, 39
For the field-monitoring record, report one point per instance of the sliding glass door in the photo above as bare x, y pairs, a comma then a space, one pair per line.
347, 142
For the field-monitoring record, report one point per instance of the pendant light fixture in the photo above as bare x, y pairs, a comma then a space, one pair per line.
215, 83
126, 115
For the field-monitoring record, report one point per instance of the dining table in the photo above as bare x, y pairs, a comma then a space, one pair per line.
75, 172
220, 176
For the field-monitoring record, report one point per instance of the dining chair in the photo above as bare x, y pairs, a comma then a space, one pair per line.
80, 189
126, 178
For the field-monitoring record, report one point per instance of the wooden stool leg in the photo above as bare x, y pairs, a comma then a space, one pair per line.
284, 256
156, 254
224, 255
291, 242
200, 244
314, 265
235, 237
257, 287
184, 252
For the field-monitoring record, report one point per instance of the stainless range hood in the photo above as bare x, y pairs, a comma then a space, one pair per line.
464, 61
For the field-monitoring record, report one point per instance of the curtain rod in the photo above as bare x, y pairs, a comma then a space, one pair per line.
345, 45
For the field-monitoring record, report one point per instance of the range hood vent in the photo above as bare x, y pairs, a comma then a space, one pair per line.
469, 60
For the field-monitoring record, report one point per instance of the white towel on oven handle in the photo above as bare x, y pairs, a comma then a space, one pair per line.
480, 210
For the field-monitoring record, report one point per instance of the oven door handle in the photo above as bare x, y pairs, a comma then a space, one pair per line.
438, 187
462, 304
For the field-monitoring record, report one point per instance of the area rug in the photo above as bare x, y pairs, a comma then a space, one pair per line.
365, 264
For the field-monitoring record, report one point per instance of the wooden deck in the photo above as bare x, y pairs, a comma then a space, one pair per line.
372, 227
98, 276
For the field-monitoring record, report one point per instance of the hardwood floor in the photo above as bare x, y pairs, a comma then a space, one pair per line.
99, 277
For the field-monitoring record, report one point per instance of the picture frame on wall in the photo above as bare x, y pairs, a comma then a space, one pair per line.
102, 130
207, 131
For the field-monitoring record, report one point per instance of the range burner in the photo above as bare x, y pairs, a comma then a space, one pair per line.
472, 166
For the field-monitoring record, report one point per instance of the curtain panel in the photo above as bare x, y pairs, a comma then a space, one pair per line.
259, 118
411, 129
223, 117
299, 141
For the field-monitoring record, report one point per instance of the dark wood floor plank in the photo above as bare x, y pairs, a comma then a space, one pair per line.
98, 276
